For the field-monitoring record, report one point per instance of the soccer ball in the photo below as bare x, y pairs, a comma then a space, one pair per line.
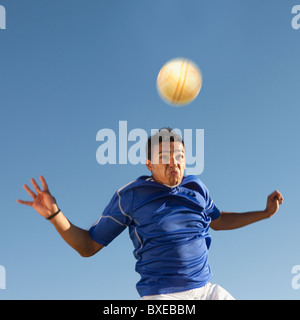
179, 81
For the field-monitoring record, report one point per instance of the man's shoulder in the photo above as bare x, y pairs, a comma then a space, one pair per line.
191, 179
140, 181
194, 183
190, 182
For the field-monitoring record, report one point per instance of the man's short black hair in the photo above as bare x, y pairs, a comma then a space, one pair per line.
165, 134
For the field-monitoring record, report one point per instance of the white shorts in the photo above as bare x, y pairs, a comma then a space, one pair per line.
208, 292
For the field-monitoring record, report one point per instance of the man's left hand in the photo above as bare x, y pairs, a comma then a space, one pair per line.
274, 200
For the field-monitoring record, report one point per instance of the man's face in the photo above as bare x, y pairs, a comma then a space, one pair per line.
168, 163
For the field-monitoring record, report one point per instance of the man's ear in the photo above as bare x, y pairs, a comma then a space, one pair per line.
149, 164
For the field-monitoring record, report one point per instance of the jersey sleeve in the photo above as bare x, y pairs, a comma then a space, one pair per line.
211, 209
115, 218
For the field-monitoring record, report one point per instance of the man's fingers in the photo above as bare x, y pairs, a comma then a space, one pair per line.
44, 184
36, 187
27, 203
276, 195
29, 191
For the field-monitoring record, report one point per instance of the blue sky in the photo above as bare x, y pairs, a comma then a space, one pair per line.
69, 69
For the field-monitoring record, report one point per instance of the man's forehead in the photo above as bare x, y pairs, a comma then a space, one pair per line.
166, 147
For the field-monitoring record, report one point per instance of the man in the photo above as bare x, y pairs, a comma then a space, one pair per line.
168, 216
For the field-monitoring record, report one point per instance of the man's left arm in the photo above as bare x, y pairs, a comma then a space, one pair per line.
234, 220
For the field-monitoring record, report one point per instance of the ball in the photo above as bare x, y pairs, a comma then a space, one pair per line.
179, 81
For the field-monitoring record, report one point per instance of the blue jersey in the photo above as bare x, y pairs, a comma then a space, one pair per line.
169, 229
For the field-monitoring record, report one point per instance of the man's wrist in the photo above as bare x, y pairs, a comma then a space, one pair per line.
53, 214
267, 214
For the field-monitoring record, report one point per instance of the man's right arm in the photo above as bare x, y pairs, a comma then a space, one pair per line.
45, 204
79, 239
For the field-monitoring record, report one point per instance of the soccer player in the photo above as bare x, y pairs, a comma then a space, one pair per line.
168, 216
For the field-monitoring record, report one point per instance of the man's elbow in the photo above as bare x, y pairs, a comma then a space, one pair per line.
86, 253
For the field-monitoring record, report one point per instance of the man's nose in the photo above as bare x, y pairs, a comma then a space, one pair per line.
173, 160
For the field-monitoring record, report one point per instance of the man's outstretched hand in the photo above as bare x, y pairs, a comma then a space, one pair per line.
274, 200
43, 202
